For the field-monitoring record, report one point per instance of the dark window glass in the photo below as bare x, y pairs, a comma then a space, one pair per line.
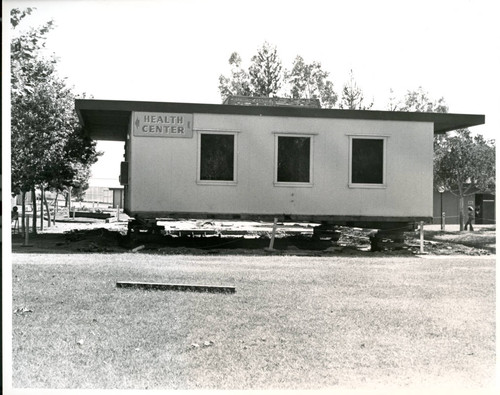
217, 157
294, 155
367, 161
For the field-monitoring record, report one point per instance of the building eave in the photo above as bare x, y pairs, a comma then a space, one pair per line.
109, 119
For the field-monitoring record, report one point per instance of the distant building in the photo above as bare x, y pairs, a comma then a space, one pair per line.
101, 190
117, 197
98, 194
483, 203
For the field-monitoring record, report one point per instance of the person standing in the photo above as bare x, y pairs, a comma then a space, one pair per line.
470, 218
14, 217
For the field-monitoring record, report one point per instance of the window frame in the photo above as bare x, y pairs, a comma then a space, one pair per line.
384, 139
233, 133
295, 184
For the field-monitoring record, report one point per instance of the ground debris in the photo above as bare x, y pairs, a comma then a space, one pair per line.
254, 238
444, 248
141, 247
22, 311
96, 240
93, 247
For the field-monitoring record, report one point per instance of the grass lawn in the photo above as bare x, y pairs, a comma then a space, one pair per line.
293, 323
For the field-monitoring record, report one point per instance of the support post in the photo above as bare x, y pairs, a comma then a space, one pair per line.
273, 234
421, 237
118, 213
443, 221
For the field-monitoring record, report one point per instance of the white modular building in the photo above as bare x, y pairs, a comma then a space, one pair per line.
259, 159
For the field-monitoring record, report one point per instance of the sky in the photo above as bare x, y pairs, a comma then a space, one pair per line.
175, 50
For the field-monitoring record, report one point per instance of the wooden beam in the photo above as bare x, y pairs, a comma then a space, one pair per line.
176, 287
347, 220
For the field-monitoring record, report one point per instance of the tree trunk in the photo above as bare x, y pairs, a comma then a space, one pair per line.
33, 198
461, 212
42, 195
23, 212
68, 202
48, 210
56, 207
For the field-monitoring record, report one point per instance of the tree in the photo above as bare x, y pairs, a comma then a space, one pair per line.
393, 104
310, 81
49, 148
239, 81
464, 165
24, 50
418, 101
264, 76
266, 72
352, 96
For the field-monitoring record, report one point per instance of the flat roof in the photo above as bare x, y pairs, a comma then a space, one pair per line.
109, 119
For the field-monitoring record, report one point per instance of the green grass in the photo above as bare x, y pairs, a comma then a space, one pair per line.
294, 322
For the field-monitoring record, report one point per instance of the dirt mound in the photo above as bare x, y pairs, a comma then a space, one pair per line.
94, 240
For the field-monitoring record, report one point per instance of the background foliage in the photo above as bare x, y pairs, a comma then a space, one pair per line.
49, 149
48, 145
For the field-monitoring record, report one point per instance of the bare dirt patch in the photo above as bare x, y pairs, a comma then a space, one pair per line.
212, 237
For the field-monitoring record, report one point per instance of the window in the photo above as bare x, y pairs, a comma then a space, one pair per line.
293, 157
216, 158
367, 167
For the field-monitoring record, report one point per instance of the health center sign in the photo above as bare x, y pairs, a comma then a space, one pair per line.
160, 124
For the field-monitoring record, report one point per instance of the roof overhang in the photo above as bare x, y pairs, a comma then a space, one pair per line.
109, 119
